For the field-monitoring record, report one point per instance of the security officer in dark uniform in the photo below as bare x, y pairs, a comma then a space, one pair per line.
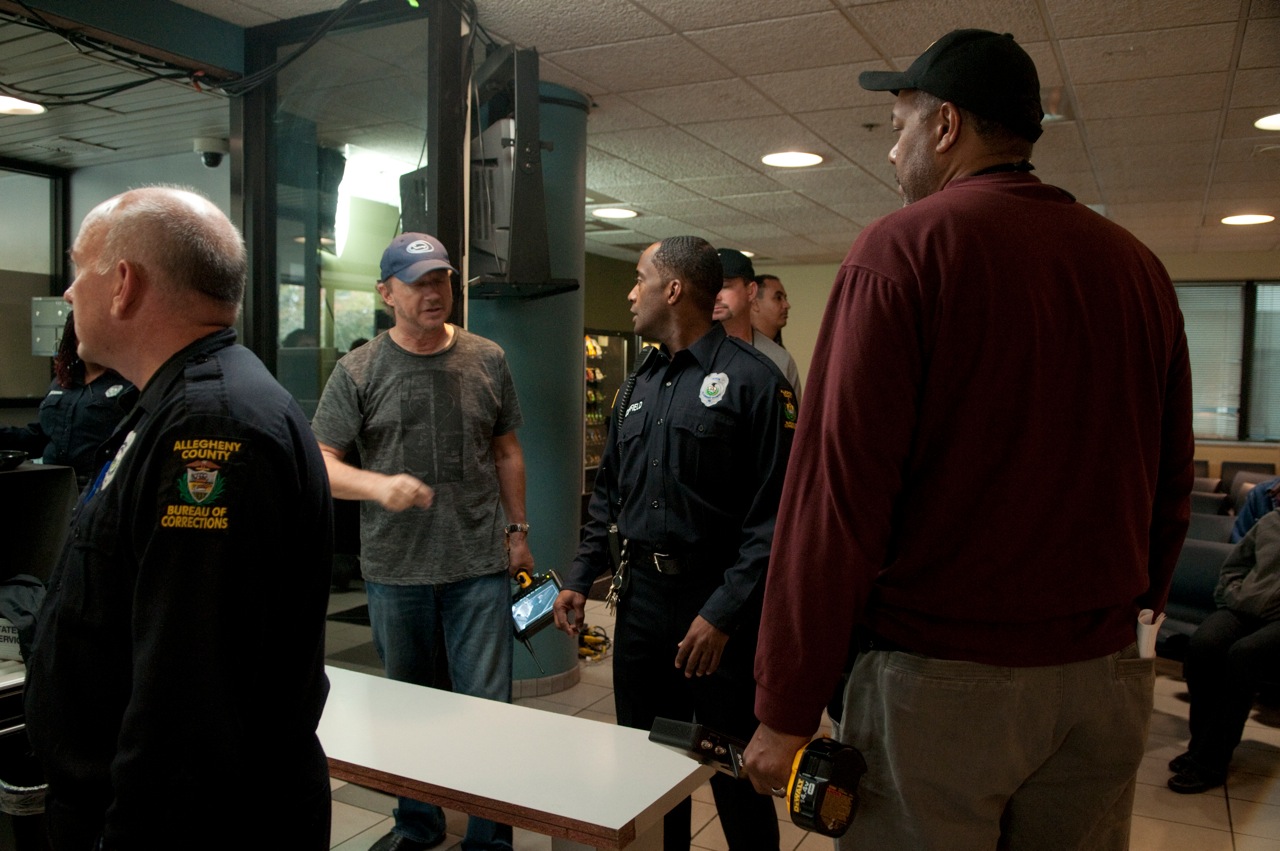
691, 474
203, 544
82, 407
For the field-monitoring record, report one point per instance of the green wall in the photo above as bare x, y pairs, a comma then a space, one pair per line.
604, 295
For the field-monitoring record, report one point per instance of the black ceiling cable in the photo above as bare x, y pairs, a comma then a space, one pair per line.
157, 70
82, 42
91, 49
466, 8
249, 82
50, 100
154, 70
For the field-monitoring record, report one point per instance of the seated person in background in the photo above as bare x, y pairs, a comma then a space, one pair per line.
84, 403
1231, 654
1261, 500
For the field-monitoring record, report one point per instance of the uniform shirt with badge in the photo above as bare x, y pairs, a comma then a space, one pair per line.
73, 422
202, 545
693, 467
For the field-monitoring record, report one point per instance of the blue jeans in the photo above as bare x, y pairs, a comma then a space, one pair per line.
474, 616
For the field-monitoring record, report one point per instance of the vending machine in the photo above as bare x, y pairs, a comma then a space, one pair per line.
609, 356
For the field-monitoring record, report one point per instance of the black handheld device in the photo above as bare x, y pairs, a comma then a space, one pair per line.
822, 794
531, 606
711, 747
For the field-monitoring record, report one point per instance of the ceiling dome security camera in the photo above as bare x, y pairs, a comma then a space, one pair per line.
212, 150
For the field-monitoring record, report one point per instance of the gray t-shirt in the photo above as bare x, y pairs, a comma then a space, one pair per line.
779, 356
435, 417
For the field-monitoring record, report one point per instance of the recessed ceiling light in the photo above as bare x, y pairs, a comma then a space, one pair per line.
1248, 219
614, 213
746, 253
13, 106
791, 159
1268, 122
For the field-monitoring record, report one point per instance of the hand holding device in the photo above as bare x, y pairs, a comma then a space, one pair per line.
822, 793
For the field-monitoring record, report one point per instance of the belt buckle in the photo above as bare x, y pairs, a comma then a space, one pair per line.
665, 564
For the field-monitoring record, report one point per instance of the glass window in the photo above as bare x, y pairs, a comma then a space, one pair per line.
26, 272
354, 317
343, 141
1264, 397
1214, 316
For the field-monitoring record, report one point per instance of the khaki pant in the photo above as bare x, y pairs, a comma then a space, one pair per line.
969, 757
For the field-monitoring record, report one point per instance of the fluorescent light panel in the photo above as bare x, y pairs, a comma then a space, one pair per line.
13, 106
791, 159
1268, 122
614, 213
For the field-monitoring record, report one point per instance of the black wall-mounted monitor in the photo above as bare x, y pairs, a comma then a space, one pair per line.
508, 253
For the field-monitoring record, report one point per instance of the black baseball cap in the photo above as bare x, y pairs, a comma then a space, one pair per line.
987, 73
736, 264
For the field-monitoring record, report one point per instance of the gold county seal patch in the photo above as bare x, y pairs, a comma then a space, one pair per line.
201, 484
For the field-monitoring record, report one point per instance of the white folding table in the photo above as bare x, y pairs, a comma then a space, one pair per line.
585, 783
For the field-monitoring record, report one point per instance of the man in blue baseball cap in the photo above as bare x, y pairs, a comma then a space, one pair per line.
433, 412
981, 347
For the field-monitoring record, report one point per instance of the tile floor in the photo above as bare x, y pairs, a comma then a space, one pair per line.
1242, 816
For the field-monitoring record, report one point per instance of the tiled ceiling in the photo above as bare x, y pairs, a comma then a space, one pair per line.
1158, 99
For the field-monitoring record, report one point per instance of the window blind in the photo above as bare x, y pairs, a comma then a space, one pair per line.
1214, 317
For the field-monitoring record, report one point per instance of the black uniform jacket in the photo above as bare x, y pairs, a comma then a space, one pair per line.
179, 655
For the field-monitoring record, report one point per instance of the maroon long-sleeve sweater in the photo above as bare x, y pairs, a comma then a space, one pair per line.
994, 456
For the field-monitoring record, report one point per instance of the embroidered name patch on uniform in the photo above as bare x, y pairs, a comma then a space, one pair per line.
788, 408
713, 388
201, 484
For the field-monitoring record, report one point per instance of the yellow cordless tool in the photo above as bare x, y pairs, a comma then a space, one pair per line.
822, 794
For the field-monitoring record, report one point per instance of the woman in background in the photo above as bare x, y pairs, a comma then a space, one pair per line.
82, 407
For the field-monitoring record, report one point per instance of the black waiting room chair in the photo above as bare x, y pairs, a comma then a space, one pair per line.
1207, 484
1210, 527
1210, 503
1229, 469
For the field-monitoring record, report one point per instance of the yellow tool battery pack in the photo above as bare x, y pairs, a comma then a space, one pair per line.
822, 794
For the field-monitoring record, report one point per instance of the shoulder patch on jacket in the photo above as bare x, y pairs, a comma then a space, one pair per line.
789, 411
201, 484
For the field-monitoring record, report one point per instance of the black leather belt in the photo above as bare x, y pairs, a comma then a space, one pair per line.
667, 565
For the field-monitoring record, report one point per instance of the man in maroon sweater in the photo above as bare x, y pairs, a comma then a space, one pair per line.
992, 480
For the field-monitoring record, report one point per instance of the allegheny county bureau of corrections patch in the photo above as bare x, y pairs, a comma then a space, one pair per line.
200, 484
788, 408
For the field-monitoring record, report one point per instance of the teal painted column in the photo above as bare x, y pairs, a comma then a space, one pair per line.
543, 341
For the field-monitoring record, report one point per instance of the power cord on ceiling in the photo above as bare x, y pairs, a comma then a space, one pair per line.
156, 70
249, 82
152, 70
